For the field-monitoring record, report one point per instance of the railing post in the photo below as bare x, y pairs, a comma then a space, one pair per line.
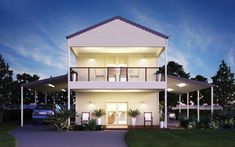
107, 73
126, 73
88, 73
145, 74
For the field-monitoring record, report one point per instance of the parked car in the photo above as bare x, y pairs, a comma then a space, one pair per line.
42, 112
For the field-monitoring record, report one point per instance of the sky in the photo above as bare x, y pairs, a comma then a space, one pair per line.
32, 32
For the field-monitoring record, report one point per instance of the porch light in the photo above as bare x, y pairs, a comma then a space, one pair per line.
63, 90
181, 84
53, 86
170, 89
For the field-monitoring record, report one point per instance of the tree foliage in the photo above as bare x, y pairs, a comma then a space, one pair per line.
175, 69
225, 87
5, 82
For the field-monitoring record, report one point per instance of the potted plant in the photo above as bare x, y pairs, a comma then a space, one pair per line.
98, 113
159, 75
74, 75
161, 106
133, 114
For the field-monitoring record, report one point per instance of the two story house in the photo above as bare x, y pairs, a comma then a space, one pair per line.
115, 67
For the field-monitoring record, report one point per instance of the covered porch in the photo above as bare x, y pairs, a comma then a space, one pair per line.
177, 85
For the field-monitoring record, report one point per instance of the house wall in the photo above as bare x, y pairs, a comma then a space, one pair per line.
99, 99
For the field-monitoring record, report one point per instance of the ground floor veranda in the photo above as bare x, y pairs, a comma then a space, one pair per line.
117, 103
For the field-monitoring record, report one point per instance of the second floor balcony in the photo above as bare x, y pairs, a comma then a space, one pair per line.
116, 78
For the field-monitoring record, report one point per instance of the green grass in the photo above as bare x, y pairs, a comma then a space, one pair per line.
6, 140
191, 138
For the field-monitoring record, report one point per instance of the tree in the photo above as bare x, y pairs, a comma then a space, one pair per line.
175, 69
5, 84
224, 86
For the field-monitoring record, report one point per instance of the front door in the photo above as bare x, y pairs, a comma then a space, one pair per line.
116, 113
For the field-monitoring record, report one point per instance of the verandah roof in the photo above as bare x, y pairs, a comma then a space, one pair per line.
60, 82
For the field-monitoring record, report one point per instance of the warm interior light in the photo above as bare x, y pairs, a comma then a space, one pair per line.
51, 85
170, 89
181, 84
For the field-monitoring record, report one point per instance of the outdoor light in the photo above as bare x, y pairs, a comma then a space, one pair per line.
63, 90
51, 85
181, 84
170, 89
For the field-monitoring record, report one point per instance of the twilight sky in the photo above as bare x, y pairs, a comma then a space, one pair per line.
32, 33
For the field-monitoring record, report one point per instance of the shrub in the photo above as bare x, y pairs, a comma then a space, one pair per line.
214, 124
192, 124
79, 128
99, 128
228, 123
60, 119
92, 125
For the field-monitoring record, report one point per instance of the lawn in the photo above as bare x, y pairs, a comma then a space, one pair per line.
6, 140
157, 137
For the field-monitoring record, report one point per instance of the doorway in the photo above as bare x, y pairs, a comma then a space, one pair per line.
116, 113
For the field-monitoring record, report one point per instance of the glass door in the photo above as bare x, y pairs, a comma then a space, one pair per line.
116, 113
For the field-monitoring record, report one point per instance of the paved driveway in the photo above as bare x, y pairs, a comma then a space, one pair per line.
44, 136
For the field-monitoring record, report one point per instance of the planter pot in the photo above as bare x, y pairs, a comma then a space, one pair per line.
161, 124
133, 121
74, 77
159, 77
99, 121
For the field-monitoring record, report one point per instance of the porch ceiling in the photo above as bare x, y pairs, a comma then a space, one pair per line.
59, 83
156, 50
180, 85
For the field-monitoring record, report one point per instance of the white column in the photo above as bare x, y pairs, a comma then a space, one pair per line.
35, 96
212, 100
68, 81
22, 106
198, 104
187, 105
166, 83
179, 104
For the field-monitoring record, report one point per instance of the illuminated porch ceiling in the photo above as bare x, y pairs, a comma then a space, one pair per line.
156, 50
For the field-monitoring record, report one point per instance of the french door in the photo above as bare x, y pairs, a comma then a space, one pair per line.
116, 113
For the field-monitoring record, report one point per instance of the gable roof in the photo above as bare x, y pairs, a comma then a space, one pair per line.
122, 19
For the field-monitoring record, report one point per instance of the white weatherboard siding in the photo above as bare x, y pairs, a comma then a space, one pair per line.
133, 99
117, 33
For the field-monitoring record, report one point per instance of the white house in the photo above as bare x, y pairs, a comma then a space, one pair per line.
114, 65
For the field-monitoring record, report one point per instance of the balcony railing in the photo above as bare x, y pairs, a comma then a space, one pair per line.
116, 74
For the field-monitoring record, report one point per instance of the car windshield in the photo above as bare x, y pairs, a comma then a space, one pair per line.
44, 107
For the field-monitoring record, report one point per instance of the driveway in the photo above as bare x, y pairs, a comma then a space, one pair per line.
45, 136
